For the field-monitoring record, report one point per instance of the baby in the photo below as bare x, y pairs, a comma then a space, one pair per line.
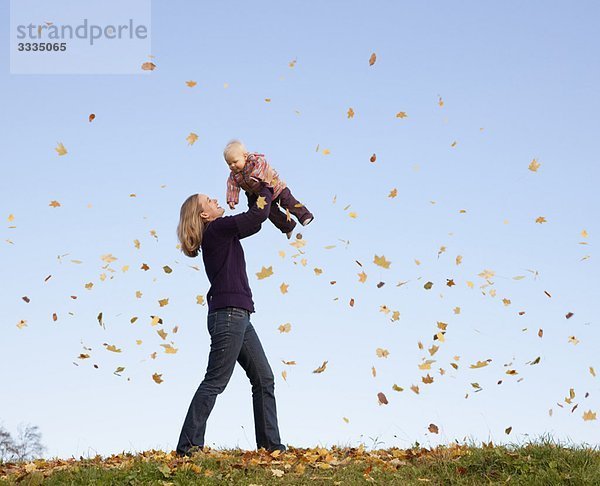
247, 170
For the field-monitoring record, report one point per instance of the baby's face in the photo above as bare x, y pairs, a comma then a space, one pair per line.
236, 161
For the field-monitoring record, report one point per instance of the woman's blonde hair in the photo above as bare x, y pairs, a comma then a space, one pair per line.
191, 226
232, 146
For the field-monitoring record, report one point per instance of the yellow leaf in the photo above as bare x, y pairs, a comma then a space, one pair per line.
480, 364
261, 202
157, 378
108, 258
265, 272
54, 204
287, 327
372, 59
393, 193
22, 323
540, 219
352, 214
60, 149
350, 113
163, 302
440, 101
326, 151
318, 271
191, 84
113, 348
589, 415
453, 144
191, 138
401, 114
284, 375
534, 165
169, 349
148, 66
382, 353
395, 315
346, 419
362, 277
268, 100
381, 261
284, 288
200, 299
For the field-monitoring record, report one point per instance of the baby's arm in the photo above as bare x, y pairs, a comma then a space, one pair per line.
233, 192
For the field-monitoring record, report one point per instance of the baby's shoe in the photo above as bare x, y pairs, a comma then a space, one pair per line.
307, 220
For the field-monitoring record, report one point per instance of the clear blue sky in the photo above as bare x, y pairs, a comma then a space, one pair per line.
519, 80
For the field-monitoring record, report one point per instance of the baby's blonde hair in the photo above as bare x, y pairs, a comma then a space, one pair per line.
232, 146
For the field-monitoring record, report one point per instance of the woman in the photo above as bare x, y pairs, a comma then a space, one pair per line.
203, 227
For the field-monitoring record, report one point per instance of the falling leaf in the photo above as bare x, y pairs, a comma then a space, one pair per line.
200, 299
120, 369
91, 117
268, 100
373, 371
372, 59
440, 101
401, 114
191, 138
353, 214
163, 302
346, 419
393, 193
352, 302
284, 288
326, 151
60, 149
381, 261
169, 349
350, 113
148, 66
112, 347
589, 415
569, 315
433, 429
534, 165
428, 285
321, 368
292, 63
157, 378
540, 219
265, 272
382, 353
287, 327
382, 398
373, 158
362, 277
284, 375
54, 204
22, 323
191, 84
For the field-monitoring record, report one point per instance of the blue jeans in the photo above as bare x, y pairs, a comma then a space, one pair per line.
233, 338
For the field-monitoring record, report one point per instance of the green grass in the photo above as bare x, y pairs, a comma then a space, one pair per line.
542, 462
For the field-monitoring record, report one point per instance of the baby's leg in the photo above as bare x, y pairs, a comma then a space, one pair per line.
279, 219
288, 201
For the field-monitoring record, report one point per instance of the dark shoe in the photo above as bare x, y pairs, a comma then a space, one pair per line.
280, 447
190, 452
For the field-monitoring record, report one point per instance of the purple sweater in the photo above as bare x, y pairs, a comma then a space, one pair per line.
223, 255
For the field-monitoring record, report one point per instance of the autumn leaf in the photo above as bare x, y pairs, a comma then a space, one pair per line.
200, 299
148, 66
350, 113
265, 272
433, 429
540, 219
373, 158
372, 59
381, 261
284, 288
191, 84
261, 202
401, 114
382, 398
91, 117
191, 138
112, 347
393, 193
287, 327
382, 353
362, 277
321, 368
163, 302
589, 415
326, 151
60, 149
169, 349
22, 323
157, 378
534, 165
